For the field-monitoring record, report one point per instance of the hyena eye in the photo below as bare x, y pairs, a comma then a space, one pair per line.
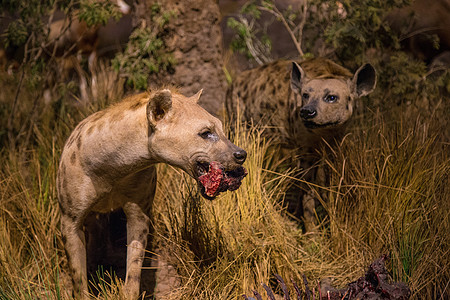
331, 98
207, 134
305, 96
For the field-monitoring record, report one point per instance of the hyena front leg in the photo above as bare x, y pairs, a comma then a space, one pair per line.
315, 196
75, 246
309, 210
137, 232
308, 198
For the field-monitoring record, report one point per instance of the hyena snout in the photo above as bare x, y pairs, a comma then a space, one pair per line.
308, 112
240, 156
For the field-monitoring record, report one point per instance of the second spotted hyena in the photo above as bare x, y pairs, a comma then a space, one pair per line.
301, 106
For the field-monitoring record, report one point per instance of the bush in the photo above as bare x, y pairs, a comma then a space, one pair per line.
146, 52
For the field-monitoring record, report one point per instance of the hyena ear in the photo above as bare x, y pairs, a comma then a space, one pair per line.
297, 74
364, 80
197, 96
158, 106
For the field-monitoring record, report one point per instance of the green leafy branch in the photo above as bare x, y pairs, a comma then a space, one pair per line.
98, 12
146, 53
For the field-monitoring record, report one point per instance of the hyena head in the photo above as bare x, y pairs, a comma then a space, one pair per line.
183, 134
327, 100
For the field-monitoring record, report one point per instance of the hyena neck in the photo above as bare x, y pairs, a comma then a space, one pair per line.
129, 151
318, 137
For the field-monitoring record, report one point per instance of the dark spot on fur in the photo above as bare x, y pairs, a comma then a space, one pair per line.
81, 125
279, 86
73, 158
142, 219
274, 92
245, 86
97, 115
268, 106
86, 163
99, 125
136, 105
90, 129
73, 216
346, 106
142, 236
116, 116
79, 142
113, 156
263, 86
70, 141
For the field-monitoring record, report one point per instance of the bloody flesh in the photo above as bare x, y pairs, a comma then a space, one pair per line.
217, 180
211, 180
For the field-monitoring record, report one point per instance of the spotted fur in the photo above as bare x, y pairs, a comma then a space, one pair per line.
301, 106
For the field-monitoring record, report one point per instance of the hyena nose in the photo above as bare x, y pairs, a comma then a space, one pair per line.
308, 113
240, 156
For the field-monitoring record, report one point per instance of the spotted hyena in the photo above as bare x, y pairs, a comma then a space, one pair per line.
301, 106
109, 161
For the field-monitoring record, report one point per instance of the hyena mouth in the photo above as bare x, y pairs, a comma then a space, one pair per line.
314, 125
214, 179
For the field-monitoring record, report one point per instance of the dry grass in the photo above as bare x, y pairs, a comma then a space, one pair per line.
392, 197
388, 193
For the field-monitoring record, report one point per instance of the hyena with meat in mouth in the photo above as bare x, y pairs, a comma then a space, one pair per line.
109, 161
302, 106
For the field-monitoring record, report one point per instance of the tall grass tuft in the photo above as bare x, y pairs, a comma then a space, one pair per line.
30, 252
391, 192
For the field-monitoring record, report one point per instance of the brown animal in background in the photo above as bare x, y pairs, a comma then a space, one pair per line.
301, 106
74, 36
109, 161
71, 39
418, 22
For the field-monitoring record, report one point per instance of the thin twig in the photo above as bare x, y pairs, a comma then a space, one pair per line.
419, 31
276, 12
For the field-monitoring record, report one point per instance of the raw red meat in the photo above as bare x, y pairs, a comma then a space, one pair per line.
211, 181
217, 180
